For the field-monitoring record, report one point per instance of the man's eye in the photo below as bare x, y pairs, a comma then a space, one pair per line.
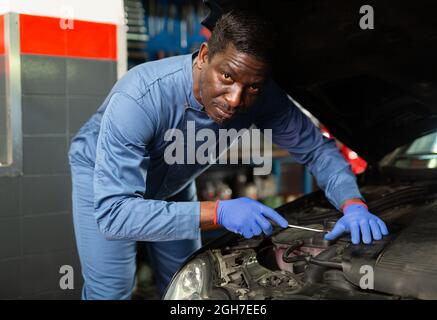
254, 88
226, 75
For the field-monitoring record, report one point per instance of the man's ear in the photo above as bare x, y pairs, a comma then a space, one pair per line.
202, 57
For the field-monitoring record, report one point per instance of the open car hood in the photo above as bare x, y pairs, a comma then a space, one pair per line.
374, 89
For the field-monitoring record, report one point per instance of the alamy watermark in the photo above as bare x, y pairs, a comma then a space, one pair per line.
66, 22
367, 281
205, 147
66, 282
367, 21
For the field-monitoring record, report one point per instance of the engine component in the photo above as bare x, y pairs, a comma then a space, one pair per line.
243, 277
294, 245
405, 266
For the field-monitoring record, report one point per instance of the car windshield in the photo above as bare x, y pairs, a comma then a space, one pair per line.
420, 154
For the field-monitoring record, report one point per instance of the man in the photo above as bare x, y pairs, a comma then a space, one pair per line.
123, 190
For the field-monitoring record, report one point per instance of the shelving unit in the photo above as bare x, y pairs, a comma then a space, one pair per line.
163, 28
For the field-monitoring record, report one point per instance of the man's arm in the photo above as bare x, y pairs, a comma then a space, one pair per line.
351, 201
295, 132
207, 212
120, 174
122, 162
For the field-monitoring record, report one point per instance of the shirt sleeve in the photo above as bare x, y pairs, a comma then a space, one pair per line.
120, 173
296, 133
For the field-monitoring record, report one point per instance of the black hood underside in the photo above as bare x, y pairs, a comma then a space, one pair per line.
375, 89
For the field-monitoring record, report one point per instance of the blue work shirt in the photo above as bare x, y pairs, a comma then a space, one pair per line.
124, 143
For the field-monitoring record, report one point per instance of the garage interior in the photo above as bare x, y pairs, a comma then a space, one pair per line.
58, 62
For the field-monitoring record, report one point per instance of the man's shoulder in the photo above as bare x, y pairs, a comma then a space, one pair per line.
272, 100
272, 88
138, 81
158, 69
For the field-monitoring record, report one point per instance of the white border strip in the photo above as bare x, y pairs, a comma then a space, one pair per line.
104, 11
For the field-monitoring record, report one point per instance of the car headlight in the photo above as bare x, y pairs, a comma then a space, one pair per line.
193, 282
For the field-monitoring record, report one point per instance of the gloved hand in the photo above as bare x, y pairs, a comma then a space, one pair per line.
356, 218
247, 217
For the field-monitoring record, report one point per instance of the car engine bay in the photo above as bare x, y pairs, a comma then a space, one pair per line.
300, 264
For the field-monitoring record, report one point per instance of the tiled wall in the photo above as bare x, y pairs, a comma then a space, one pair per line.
36, 230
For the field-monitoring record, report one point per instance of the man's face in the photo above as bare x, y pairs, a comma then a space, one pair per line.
229, 83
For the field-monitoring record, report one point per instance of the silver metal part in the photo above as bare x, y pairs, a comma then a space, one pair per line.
305, 228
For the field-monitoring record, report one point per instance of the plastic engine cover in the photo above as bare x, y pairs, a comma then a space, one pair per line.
404, 264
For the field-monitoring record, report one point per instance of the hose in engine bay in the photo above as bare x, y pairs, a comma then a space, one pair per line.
314, 273
308, 258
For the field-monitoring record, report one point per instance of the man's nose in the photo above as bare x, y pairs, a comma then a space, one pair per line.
234, 97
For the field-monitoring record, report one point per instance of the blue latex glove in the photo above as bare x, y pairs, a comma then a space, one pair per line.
247, 217
357, 217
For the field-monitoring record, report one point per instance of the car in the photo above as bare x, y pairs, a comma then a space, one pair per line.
376, 92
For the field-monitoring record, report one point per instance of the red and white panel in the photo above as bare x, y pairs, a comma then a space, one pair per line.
71, 28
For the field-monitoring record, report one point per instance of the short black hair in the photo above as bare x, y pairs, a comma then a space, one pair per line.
249, 32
